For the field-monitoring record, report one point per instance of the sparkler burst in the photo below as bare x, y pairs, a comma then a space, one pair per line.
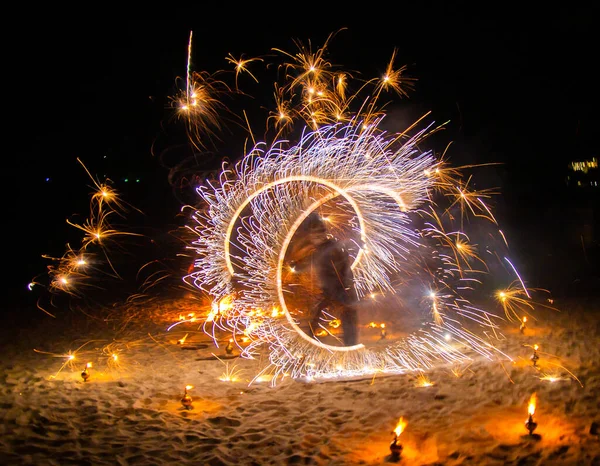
402, 212
78, 270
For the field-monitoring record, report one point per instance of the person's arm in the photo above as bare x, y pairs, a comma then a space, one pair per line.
300, 265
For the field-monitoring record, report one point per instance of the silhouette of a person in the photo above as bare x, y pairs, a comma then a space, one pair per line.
333, 269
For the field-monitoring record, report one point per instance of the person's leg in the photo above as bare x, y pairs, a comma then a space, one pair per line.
350, 325
316, 313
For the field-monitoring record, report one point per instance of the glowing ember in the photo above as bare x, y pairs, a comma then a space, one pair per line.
423, 381
335, 323
231, 374
264, 378
550, 378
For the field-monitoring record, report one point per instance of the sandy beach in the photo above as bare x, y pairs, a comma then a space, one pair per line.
129, 411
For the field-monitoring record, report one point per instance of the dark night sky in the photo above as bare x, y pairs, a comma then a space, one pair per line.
519, 87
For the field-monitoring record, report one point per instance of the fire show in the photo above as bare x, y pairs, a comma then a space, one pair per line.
330, 269
350, 201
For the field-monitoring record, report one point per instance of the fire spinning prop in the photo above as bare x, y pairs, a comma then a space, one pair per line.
404, 211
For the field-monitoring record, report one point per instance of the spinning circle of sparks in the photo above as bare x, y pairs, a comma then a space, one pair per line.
265, 198
391, 197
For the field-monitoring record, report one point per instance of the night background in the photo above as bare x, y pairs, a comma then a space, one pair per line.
136, 367
518, 88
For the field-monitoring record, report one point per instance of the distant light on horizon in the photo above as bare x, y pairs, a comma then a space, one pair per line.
584, 166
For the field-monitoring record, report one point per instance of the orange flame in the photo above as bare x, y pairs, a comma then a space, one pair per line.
536, 347
524, 319
89, 364
400, 427
188, 387
532, 403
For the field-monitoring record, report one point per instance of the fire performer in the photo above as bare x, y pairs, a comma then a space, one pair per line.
332, 265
